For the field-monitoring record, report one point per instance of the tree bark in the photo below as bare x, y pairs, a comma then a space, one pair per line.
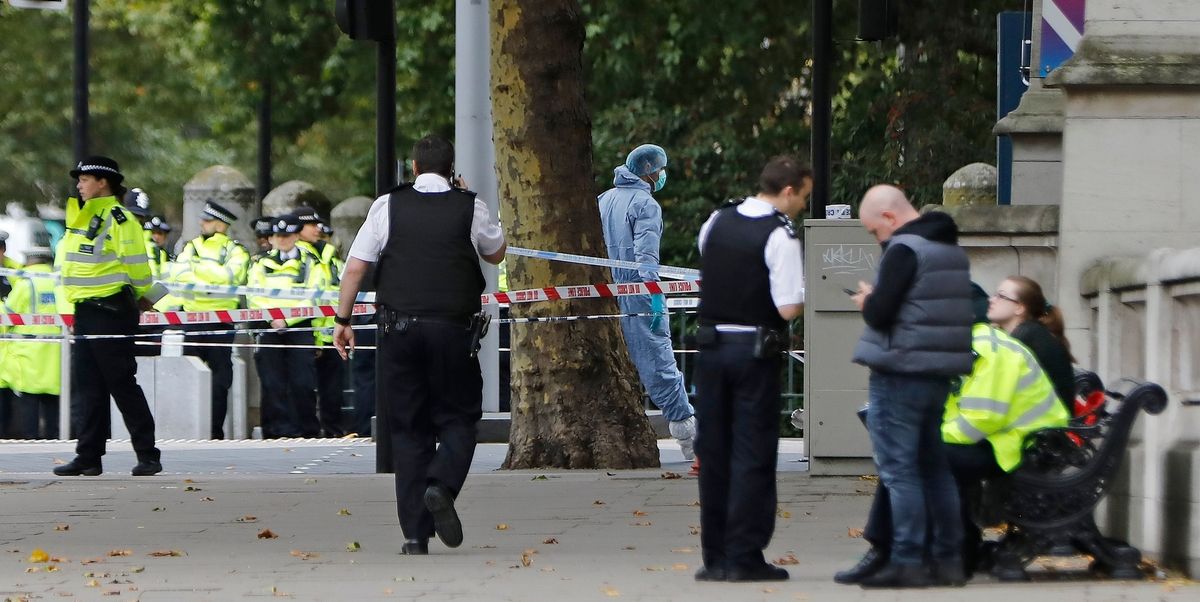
576, 400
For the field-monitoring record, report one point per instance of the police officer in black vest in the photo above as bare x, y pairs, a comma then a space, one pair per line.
427, 238
753, 277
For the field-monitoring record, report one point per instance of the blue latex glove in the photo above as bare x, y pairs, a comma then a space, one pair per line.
658, 306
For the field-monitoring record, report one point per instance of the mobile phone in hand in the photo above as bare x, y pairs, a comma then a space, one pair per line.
850, 291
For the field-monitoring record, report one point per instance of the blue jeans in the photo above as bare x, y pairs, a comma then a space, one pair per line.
904, 419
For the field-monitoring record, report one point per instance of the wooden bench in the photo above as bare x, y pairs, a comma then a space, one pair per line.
1048, 503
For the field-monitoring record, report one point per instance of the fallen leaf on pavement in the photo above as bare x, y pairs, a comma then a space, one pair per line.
309, 481
598, 503
267, 534
789, 559
639, 513
781, 513
59, 559
629, 548
526, 559
679, 566
547, 569
62, 527
188, 481
157, 509
549, 541
353, 546
111, 592
502, 527
166, 553
694, 529
654, 569
302, 555
92, 583
486, 547
38, 555
207, 499
91, 574
855, 533
59, 461
540, 477
246, 519
278, 593
869, 477
671, 475
137, 569
32, 569
683, 550
641, 523
190, 488
695, 504
610, 591
344, 512
408, 578
120, 552
91, 560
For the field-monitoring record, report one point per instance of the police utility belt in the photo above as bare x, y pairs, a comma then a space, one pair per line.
767, 342
398, 322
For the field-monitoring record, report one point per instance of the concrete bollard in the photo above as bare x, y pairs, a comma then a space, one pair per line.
286, 197
973, 184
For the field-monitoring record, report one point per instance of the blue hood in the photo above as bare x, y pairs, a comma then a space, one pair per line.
623, 178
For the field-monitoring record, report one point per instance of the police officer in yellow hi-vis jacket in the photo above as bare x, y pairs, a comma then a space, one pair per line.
213, 259
331, 370
106, 276
289, 405
34, 369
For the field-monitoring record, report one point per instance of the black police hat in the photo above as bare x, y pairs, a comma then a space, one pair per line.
157, 223
287, 224
262, 226
101, 167
308, 215
214, 211
137, 202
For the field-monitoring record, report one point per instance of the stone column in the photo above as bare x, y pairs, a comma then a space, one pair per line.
1036, 127
347, 217
286, 197
1131, 136
228, 188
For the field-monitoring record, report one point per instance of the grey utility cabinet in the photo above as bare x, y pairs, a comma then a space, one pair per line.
837, 254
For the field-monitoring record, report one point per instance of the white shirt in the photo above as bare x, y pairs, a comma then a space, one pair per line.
783, 254
486, 237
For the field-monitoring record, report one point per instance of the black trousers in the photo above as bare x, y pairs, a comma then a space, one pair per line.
6, 411
104, 368
433, 391
289, 401
737, 414
35, 416
220, 362
362, 366
331, 379
970, 464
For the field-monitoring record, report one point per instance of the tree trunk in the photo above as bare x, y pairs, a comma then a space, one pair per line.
576, 400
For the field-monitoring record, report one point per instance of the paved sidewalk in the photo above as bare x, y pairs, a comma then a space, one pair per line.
540, 535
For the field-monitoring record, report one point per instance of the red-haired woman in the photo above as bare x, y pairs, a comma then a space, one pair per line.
1020, 307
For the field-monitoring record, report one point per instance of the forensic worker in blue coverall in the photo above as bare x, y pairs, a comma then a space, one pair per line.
633, 227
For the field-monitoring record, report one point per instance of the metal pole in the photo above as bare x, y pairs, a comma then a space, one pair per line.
822, 15
264, 143
385, 180
475, 155
79, 124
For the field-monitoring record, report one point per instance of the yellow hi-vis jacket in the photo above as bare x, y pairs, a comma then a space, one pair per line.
104, 251
272, 271
34, 366
11, 264
1005, 397
217, 260
326, 254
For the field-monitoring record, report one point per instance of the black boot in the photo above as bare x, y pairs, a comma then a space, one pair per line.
146, 468
415, 547
949, 573
440, 503
763, 572
715, 573
870, 563
898, 575
79, 466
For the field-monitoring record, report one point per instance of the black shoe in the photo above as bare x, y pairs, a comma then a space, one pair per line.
79, 467
763, 572
146, 468
870, 563
898, 575
950, 573
415, 547
445, 520
713, 574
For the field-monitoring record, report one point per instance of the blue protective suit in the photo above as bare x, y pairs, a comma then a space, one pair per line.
633, 226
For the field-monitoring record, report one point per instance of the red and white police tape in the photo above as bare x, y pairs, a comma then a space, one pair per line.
552, 293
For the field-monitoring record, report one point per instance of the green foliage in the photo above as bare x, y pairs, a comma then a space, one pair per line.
722, 86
